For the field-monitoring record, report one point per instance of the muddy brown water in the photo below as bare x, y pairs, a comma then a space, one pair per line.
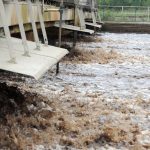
100, 100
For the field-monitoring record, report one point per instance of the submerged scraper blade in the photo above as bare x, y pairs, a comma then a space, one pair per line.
93, 25
74, 28
36, 65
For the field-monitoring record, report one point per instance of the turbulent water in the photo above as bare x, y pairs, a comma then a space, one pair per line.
122, 81
128, 78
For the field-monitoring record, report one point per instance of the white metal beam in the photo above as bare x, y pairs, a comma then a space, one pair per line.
7, 32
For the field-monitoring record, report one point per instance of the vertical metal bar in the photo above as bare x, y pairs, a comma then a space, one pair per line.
122, 11
75, 33
103, 7
148, 14
7, 32
135, 13
98, 14
93, 17
81, 17
80, 13
93, 11
60, 23
43, 6
42, 23
22, 30
60, 30
36, 37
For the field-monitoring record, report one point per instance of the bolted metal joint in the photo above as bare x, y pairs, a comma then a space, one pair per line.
26, 54
12, 61
38, 47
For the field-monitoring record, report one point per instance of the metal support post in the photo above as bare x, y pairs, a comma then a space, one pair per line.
122, 12
60, 30
42, 23
36, 37
135, 13
81, 17
103, 8
75, 34
22, 30
93, 17
93, 12
99, 16
80, 13
148, 14
7, 32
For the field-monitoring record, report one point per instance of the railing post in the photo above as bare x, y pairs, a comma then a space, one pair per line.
135, 13
122, 12
122, 9
103, 9
148, 14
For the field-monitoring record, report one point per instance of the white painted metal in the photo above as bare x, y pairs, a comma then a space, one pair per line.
81, 17
42, 23
99, 18
7, 33
74, 28
36, 65
36, 37
93, 12
93, 17
22, 30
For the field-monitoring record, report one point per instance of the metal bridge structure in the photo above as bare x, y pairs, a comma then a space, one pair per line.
34, 58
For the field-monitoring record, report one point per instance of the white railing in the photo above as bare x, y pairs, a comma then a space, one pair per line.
125, 13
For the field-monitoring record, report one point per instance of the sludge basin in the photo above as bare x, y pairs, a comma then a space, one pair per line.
100, 99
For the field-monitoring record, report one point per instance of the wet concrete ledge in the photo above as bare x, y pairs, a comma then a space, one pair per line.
126, 27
